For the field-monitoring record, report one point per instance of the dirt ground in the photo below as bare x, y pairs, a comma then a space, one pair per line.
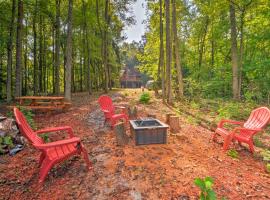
164, 171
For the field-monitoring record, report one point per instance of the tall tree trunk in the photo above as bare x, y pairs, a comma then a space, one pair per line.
168, 52
105, 49
176, 52
234, 55
242, 16
25, 59
81, 71
36, 89
202, 41
57, 48
88, 79
40, 65
1, 74
53, 56
45, 68
9, 51
18, 85
161, 67
212, 45
69, 54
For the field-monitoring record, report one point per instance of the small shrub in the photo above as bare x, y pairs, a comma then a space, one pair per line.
145, 98
207, 193
233, 153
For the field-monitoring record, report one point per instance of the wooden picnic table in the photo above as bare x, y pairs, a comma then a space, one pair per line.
43, 102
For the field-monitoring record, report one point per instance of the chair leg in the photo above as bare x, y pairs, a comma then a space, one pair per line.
112, 122
251, 146
45, 168
41, 158
227, 142
214, 136
105, 120
86, 158
126, 119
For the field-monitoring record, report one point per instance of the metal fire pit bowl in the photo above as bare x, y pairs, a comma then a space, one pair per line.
149, 131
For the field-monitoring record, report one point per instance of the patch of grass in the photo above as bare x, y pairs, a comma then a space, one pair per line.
266, 155
268, 167
233, 153
194, 105
205, 185
45, 137
145, 98
191, 120
258, 142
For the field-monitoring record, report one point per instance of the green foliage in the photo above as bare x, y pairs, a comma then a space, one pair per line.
268, 167
266, 155
45, 137
205, 48
233, 153
194, 105
234, 110
258, 142
145, 98
205, 185
88, 24
156, 86
5, 141
28, 114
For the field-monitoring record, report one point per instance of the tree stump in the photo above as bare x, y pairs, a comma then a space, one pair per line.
120, 133
132, 112
168, 117
174, 124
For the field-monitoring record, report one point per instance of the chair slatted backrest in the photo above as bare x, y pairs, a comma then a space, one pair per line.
258, 118
106, 103
25, 128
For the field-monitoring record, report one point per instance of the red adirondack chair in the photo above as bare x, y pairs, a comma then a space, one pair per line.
108, 109
257, 120
53, 152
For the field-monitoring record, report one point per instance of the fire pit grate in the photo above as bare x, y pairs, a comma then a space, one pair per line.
149, 131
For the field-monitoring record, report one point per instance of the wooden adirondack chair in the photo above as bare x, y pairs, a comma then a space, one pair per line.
257, 120
53, 152
108, 109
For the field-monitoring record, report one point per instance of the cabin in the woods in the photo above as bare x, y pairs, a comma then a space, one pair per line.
130, 78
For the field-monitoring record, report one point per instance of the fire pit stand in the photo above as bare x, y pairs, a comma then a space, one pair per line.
148, 131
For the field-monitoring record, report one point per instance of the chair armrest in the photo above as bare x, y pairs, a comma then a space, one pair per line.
253, 130
247, 129
55, 129
59, 143
223, 121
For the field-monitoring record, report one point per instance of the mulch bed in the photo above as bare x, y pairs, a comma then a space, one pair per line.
132, 172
